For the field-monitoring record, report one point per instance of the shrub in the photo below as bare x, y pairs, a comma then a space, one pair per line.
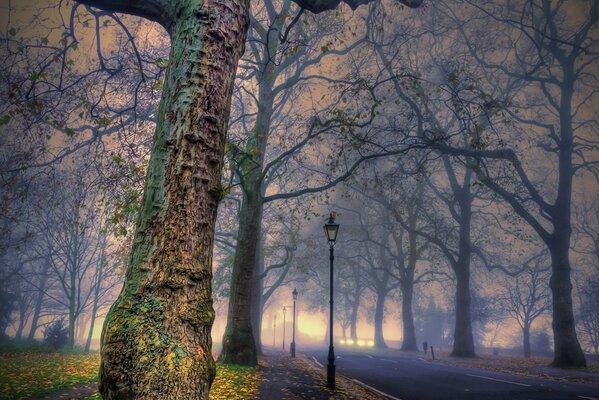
56, 335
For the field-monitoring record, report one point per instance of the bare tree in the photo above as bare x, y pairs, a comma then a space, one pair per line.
528, 297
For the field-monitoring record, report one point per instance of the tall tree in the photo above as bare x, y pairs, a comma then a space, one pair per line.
547, 89
156, 338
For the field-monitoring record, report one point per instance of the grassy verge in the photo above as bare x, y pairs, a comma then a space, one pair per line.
235, 382
33, 374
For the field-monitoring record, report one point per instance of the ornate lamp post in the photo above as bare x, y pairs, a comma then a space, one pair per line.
284, 310
331, 229
294, 293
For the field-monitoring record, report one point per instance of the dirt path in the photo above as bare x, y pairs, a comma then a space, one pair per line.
73, 393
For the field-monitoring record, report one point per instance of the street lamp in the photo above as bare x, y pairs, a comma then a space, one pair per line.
294, 293
331, 229
284, 310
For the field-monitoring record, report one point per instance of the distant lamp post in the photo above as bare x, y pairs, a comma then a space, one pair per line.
331, 229
284, 310
294, 293
274, 333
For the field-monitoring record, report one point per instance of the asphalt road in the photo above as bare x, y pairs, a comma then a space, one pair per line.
413, 378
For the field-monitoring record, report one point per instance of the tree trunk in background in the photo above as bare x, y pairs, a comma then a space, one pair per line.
463, 342
39, 301
407, 317
239, 345
72, 311
22, 320
241, 341
257, 300
567, 350
353, 326
379, 318
97, 290
526, 340
156, 340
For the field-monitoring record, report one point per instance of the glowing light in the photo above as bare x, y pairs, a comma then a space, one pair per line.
361, 343
350, 342
370, 343
342, 341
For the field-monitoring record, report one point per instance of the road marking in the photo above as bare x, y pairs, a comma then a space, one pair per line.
316, 361
392, 361
369, 356
499, 380
588, 398
376, 390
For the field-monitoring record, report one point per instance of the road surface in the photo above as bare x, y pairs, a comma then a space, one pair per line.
412, 378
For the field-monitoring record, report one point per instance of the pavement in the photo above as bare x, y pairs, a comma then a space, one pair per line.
302, 377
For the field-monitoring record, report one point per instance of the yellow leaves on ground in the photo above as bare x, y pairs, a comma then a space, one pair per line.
31, 374
28, 374
234, 382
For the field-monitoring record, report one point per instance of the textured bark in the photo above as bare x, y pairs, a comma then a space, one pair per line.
156, 339
239, 346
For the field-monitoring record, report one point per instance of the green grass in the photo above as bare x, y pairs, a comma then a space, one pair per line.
34, 374
235, 382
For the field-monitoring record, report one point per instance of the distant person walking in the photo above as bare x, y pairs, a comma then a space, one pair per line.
425, 347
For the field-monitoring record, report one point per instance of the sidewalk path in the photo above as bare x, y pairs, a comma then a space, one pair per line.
287, 378
73, 393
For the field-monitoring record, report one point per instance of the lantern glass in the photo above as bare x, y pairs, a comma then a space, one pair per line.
331, 229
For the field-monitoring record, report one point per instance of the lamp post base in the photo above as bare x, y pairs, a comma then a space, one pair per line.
331, 368
292, 349
331, 376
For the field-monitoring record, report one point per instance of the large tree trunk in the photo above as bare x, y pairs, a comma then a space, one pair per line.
567, 350
379, 318
407, 317
257, 300
241, 341
239, 346
156, 339
463, 343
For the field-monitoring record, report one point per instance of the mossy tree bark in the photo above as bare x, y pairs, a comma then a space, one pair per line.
156, 339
